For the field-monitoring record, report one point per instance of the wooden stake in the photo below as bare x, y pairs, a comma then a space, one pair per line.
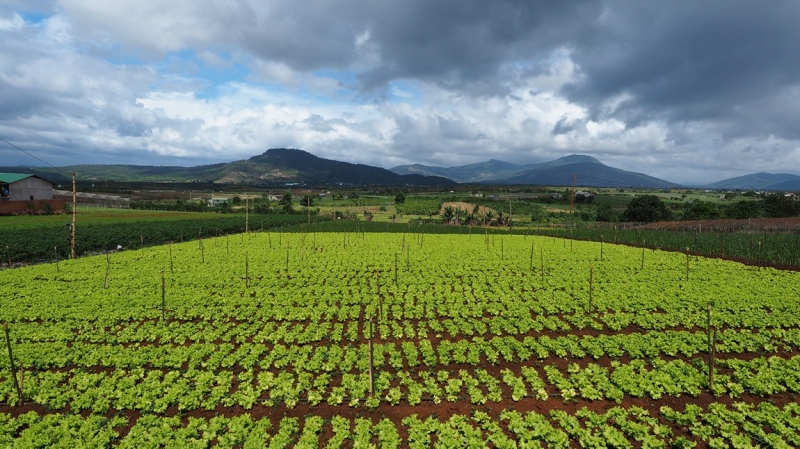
711, 348
687, 264
642, 254
602, 239
541, 253
246, 270
395, 269
371, 382
591, 286
108, 268
13, 367
163, 294
530, 266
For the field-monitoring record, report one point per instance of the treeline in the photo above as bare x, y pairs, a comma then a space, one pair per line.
650, 208
234, 205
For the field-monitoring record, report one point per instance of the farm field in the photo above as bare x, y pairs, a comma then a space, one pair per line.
481, 340
100, 216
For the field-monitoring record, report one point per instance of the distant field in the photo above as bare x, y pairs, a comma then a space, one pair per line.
97, 215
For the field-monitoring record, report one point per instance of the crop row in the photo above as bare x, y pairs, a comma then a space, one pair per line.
40, 243
327, 279
154, 391
408, 354
739, 425
754, 247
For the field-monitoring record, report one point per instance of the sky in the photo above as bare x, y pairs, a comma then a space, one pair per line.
691, 92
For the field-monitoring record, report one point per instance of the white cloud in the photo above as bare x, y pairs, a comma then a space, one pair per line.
340, 80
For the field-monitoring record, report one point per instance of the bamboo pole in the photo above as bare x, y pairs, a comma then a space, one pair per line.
687, 264
591, 286
108, 268
13, 367
541, 253
163, 294
642, 255
74, 215
371, 376
530, 265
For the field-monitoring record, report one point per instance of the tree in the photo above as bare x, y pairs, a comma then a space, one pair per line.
701, 210
745, 209
448, 213
237, 200
399, 198
539, 214
606, 213
286, 203
307, 201
647, 208
777, 205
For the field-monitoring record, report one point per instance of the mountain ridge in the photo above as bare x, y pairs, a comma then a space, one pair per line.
286, 165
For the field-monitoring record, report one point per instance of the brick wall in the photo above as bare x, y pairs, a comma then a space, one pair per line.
15, 207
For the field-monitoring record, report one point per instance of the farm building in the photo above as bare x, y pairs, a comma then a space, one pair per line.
93, 199
24, 187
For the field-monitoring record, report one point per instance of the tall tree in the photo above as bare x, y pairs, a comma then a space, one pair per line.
647, 208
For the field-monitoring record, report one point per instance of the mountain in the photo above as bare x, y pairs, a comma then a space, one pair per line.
482, 171
590, 172
278, 165
758, 181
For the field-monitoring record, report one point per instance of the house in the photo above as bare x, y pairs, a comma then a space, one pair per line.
24, 187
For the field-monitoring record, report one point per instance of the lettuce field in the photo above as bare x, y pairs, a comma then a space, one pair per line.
385, 340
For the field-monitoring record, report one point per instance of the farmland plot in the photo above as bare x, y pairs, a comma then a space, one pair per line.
399, 340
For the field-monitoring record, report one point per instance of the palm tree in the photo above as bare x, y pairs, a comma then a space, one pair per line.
448, 212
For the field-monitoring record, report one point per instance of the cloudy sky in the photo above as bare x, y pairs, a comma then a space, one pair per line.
686, 91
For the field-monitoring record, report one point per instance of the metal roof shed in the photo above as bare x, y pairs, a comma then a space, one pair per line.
24, 187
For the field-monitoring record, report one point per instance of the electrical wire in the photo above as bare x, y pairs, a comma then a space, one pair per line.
20, 149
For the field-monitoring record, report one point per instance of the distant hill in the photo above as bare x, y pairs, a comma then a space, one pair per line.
758, 181
482, 171
590, 172
278, 165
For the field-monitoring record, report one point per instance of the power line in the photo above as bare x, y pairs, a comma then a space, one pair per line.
20, 149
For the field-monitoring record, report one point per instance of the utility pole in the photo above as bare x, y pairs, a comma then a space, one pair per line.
74, 212
572, 200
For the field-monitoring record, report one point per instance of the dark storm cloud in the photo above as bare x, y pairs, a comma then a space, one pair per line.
690, 61
458, 44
